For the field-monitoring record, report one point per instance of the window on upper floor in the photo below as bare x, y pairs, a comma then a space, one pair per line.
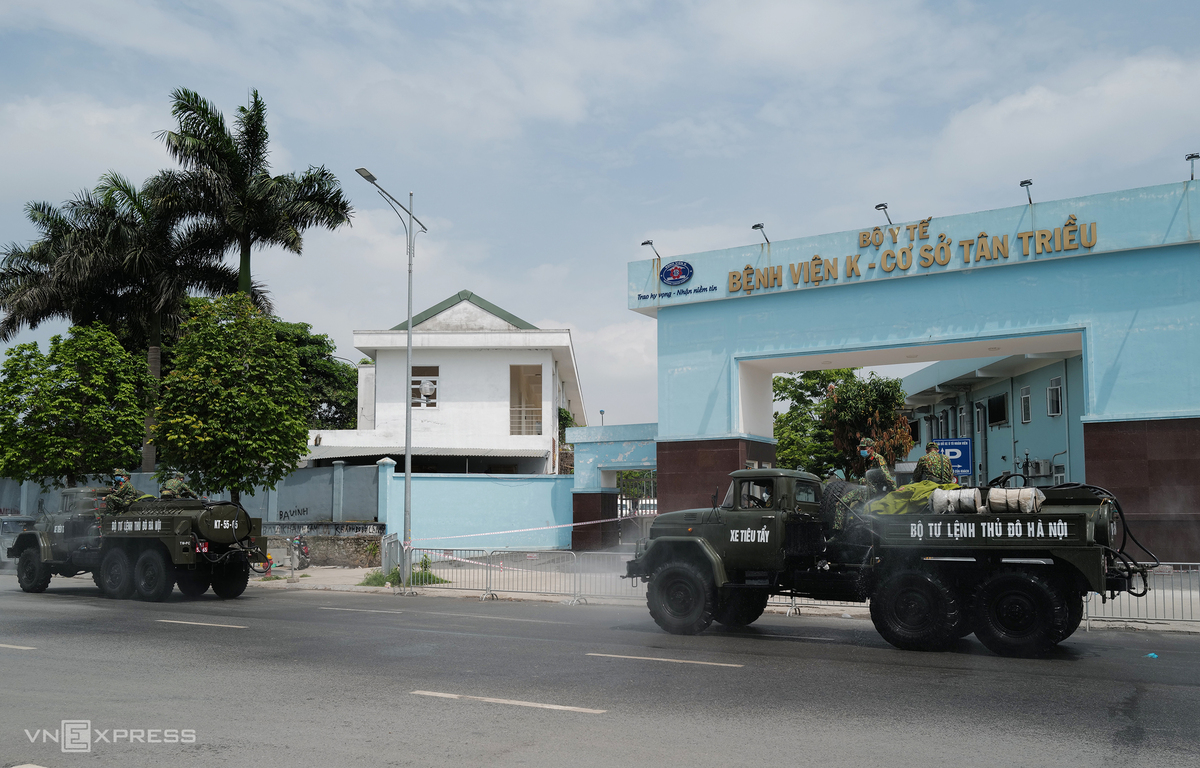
997, 410
1026, 410
424, 386
1054, 397
525, 399
963, 431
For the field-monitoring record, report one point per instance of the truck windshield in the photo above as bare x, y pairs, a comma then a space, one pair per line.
806, 492
728, 503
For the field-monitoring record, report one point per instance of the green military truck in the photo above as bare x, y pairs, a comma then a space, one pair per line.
145, 550
1016, 580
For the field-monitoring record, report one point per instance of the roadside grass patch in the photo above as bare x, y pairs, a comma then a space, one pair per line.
377, 578
271, 578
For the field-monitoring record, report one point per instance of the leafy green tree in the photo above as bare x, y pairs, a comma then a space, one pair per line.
330, 384
121, 255
804, 441
227, 175
231, 413
73, 412
866, 407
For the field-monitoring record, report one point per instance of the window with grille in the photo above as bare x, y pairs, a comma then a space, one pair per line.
424, 376
1026, 410
1060, 474
1054, 397
525, 399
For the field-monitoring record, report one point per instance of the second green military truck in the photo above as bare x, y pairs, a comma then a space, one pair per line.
145, 551
1017, 580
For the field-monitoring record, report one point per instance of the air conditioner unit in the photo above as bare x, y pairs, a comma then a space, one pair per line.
1041, 468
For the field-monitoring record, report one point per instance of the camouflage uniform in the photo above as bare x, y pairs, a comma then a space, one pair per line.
935, 467
123, 494
847, 503
176, 488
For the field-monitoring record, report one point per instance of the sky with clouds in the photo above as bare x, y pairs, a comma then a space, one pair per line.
546, 140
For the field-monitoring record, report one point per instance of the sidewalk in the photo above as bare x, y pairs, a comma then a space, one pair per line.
340, 579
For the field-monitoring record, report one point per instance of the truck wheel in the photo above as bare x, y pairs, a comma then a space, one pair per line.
1074, 615
1020, 614
192, 583
152, 577
116, 575
741, 607
230, 580
96, 580
32, 574
914, 610
681, 598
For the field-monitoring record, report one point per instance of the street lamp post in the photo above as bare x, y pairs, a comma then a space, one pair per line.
411, 238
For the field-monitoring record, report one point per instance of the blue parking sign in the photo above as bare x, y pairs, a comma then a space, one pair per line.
958, 450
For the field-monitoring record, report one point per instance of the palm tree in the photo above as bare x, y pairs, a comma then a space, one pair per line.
228, 177
119, 255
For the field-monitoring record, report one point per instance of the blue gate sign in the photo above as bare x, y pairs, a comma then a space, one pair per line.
958, 450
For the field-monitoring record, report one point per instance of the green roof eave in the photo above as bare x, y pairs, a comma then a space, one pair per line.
478, 301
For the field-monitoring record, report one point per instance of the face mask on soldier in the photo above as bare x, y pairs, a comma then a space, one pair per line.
863, 453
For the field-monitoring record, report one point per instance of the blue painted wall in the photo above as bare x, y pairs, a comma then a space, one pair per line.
454, 505
622, 446
1135, 298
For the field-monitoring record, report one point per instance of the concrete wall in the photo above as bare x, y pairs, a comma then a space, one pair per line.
453, 505
603, 449
473, 398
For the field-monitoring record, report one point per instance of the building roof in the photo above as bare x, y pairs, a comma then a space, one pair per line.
478, 301
346, 451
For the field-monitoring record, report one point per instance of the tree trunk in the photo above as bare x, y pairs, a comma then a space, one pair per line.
244, 269
235, 496
154, 360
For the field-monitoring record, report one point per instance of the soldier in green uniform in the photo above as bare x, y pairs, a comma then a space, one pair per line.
176, 488
123, 493
933, 466
878, 483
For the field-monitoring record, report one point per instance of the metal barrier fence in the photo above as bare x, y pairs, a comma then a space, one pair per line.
1174, 596
1174, 587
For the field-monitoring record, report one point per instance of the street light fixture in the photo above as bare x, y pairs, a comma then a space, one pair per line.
651, 244
1027, 183
1192, 157
759, 227
602, 417
883, 207
411, 243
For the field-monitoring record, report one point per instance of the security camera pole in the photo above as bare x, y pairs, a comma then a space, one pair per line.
411, 237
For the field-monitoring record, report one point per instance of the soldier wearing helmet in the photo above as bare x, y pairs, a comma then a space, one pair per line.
123, 493
176, 488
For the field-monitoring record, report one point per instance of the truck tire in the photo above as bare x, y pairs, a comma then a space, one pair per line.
915, 610
192, 583
741, 607
230, 579
32, 574
116, 575
830, 493
1018, 613
681, 598
153, 577
1074, 614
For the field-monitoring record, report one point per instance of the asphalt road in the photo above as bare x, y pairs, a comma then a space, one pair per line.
300, 678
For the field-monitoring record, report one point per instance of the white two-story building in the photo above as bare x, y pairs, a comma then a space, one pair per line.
486, 388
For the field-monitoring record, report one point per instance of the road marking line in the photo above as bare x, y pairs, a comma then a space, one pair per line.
513, 702
202, 624
673, 661
18, 647
439, 613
